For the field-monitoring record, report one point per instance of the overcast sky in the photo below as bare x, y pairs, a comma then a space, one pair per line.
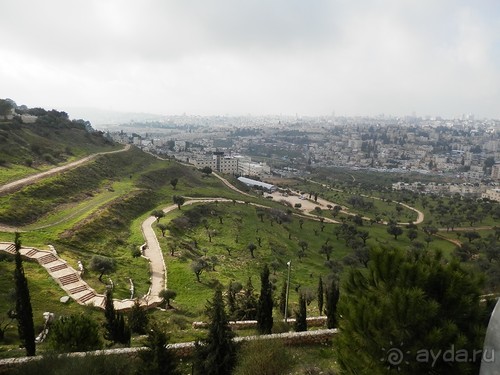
310, 57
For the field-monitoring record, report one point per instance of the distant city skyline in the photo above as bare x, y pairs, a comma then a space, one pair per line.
223, 57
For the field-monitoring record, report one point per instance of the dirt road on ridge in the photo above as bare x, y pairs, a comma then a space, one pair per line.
19, 184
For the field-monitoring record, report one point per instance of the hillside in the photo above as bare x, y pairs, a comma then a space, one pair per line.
34, 139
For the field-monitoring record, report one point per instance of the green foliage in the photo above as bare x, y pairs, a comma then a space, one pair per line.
198, 266
117, 330
174, 182
301, 315
167, 295
86, 365
5, 107
75, 333
157, 359
264, 357
206, 170
158, 214
245, 303
282, 300
178, 200
163, 227
138, 319
332, 299
53, 140
265, 304
70, 186
24, 313
394, 230
102, 265
320, 295
216, 354
413, 300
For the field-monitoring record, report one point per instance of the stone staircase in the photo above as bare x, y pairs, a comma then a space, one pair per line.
69, 279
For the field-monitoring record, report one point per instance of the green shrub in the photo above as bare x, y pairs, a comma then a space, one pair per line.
280, 326
88, 365
135, 251
75, 333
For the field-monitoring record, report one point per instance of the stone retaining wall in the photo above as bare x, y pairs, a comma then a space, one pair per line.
186, 349
313, 321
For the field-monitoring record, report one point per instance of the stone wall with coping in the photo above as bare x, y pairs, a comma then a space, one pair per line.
313, 321
186, 349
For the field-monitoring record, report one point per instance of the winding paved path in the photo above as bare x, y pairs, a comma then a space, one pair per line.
70, 279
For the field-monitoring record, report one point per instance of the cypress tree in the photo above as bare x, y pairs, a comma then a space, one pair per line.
301, 315
24, 312
320, 295
216, 355
110, 315
332, 299
116, 328
138, 319
265, 304
282, 302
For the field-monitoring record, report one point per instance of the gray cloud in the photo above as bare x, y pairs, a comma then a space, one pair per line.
282, 56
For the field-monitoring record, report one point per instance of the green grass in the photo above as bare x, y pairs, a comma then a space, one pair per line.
30, 148
192, 296
107, 221
44, 293
72, 213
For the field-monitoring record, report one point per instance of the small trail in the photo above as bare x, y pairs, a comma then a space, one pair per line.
19, 184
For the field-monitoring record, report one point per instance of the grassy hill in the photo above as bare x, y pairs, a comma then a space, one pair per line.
98, 208
51, 139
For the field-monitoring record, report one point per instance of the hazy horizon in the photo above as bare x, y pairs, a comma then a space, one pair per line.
290, 57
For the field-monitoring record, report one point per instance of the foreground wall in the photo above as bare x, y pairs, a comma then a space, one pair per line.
186, 349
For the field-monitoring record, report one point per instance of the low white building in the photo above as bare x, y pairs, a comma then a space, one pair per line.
255, 183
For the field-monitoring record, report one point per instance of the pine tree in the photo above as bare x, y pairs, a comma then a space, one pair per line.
301, 315
411, 302
216, 355
157, 359
320, 295
332, 299
24, 312
265, 304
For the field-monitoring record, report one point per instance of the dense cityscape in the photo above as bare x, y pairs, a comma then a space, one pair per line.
462, 151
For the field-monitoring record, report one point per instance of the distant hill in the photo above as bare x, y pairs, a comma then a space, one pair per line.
104, 119
34, 137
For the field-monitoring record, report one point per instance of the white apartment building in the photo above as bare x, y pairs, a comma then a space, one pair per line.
231, 164
492, 194
218, 162
253, 169
495, 172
